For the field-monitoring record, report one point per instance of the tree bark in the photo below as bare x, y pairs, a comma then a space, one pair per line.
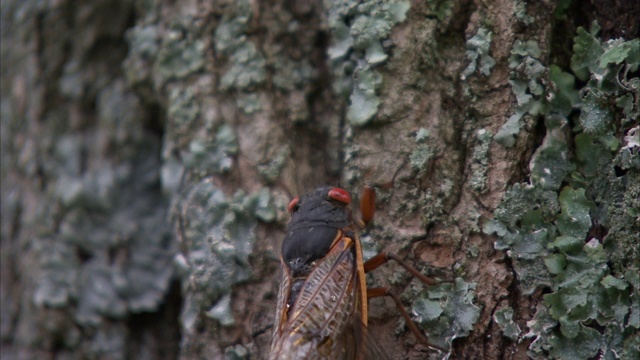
150, 149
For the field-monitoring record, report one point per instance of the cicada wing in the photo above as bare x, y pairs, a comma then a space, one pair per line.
365, 346
321, 315
281, 307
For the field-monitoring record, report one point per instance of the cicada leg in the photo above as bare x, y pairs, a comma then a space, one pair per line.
383, 258
383, 291
367, 210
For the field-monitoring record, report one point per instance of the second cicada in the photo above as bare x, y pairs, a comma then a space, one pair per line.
322, 302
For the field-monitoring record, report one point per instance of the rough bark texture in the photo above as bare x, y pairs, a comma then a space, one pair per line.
150, 148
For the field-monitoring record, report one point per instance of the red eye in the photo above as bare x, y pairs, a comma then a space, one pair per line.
293, 205
340, 195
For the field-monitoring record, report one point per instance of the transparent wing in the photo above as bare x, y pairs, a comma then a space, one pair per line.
322, 312
325, 323
366, 347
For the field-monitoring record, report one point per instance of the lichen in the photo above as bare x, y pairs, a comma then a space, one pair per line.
504, 318
212, 156
446, 311
111, 253
247, 65
550, 163
478, 54
526, 79
144, 44
520, 10
480, 163
218, 238
247, 68
249, 103
358, 29
183, 113
574, 228
422, 153
178, 56
364, 100
236, 352
441, 9
221, 311
290, 75
270, 170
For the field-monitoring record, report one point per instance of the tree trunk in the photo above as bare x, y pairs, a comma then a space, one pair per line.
150, 149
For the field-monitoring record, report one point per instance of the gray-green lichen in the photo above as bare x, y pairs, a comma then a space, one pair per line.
574, 228
85, 238
504, 319
441, 9
528, 87
246, 64
221, 311
144, 44
478, 54
561, 7
446, 311
550, 163
520, 10
236, 352
212, 155
109, 256
358, 31
422, 153
183, 113
249, 103
479, 166
219, 237
270, 170
178, 56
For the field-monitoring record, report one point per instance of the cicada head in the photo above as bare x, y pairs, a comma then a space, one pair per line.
317, 219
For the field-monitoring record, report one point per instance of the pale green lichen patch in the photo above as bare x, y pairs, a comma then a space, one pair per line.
564, 97
550, 163
221, 311
219, 237
441, 9
290, 75
249, 103
183, 112
574, 229
479, 166
527, 85
247, 66
574, 219
364, 100
179, 56
595, 118
358, 30
110, 254
144, 44
586, 52
422, 153
520, 10
446, 311
212, 156
270, 170
237, 352
478, 54
504, 319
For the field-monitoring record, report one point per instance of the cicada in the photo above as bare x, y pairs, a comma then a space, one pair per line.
322, 308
